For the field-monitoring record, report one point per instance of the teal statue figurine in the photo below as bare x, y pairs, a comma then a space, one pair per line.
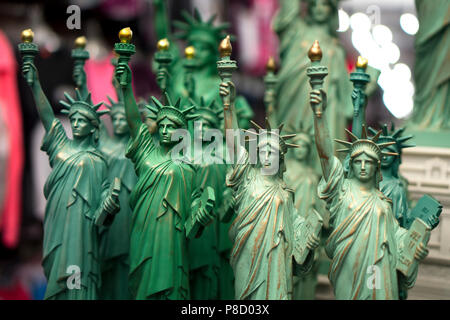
166, 206
79, 200
204, 259
204, 37
262, 231
114, 240
367, 245
432, 72
296, 33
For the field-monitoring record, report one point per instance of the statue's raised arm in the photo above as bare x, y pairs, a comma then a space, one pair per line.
28, 50
123, 76
318, 101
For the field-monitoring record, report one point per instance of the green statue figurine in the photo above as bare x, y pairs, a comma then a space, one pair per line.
204, 37
116, 239
163, 200
204, 260
262, 231
77, 196
296, 34
366, 243
432, 72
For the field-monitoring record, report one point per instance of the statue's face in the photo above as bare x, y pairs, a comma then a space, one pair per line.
166, 128
301, 152
203, 52
364, 167
206, 125
81, 126
269, 157
320, 10
119, 123
387, 161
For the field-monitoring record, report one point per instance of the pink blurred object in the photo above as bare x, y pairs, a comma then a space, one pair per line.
267, 42
11, 212
99, 75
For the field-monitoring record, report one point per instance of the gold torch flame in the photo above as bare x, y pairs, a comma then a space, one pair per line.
80, 42
315, 53
189, 52
362, 63
27, 35
225, 47
125, 35
271, 66
163, 45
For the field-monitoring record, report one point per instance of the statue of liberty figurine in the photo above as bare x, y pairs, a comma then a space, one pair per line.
77, 194
301, 177
204, 259
296, 33
116, 239
366, 240
163, 199
262, 231
204, 37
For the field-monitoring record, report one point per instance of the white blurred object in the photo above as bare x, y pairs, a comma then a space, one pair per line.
344, 21
360, 21
409, 23
382, 34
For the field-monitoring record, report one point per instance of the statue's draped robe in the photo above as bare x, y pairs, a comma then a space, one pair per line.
262, 235
364, 233
303, 180
161, 203
115, 239
394, 189
74, 191
432, 65
293, 107
204, 260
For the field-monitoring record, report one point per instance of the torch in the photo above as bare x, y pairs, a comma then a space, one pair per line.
189, 65
80, 55
226, 66
163, 57
28, 50
270, 80
125, 50
316, 72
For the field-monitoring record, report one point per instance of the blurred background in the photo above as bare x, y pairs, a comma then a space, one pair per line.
382, 31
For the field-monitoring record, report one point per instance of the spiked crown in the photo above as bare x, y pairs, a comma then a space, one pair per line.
83, 106
170, 111
114, 106
271, 136
370, 144
193, 26
210, 112
395, 136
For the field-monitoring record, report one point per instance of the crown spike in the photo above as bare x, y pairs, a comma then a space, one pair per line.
342, 150
157, 103
69, 98
256, 125
352, 136
389, 153
78, 95
347, 143
65, 111
177, 104
268, 127
65, 104
292, 145
398, 132
386, 144
385, 129
98, 105
211, 19
187, 110
189, 19
376, 136
110, 99
289, 136
364, 132
102, 112
373, 131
